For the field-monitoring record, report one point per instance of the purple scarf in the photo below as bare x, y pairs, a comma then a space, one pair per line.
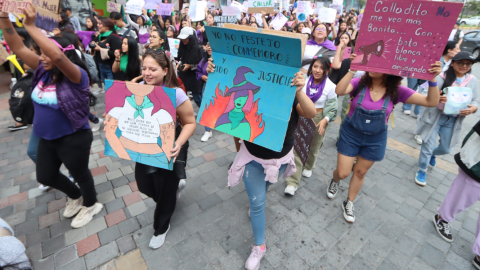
326, 44
314, 92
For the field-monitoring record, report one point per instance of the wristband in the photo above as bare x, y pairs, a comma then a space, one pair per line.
432, 84
4, 17
351, 71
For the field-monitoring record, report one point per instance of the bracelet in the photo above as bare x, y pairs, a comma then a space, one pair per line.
351, 71
117, 60
432, 84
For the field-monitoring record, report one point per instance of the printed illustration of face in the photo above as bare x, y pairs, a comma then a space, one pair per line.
317, 70
125, 45
152, 72
89, 23
240, 102
459, 97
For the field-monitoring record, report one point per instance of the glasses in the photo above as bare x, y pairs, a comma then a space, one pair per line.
467, 64
321, 29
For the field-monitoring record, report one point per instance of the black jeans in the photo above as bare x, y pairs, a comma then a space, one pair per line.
161, 185
72, 150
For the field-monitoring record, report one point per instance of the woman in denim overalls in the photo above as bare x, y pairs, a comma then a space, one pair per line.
363, 134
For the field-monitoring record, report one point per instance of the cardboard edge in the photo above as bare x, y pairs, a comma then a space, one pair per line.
259, 10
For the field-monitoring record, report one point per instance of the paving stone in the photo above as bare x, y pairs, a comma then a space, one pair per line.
106, 197
61, 227
75, 235
44, 264
122, 191
108, 235
26, 227
209, 201
101, 255
112, 175
126, 244
118, 182
103, 187
53, 245
115, 217
36, 237
114, 205
95, 226
189, 246
16, 219
132, 198
48, 219
65, 256
34, 253
56, 205
407, 211
87, 245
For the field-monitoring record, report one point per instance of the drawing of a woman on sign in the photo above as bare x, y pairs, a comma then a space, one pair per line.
235, 113
140, 123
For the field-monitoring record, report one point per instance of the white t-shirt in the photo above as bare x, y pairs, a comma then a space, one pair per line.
140, 130
452, 34
310, 52
328, 93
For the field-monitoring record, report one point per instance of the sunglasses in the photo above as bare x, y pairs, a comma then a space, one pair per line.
468, 64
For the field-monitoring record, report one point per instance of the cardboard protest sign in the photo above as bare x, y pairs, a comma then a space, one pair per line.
279, 21
134, 7
220, 20
236, 5
85, 37
140, 123
245, 6
232, 11
12, 6
172, 43
285, 4
196, 11
113, 7
302, 10
257, 6
303, 138
152, 4
337, 7
47, 14
249, 95
360, 18
165, 9
258, 18
346, 53
404, 37
327, 15
3, 55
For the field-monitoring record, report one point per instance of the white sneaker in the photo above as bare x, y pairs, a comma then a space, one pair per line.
86, 215
43, 188
157, 241
307, 173
73, 207
290, 190
181, 186
407, 112
207, 135
414, 115
97, 126
253, 261
418, 139
348, 208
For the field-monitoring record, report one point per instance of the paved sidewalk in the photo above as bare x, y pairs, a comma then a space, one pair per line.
211, 229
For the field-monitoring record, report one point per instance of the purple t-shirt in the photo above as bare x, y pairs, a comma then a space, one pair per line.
49, 121
403, 94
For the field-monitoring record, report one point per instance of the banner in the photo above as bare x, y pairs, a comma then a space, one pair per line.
278, 22
85, 37
404, 37
144, 133
165, 9
152, 4
303, 137
257, 6
302, 10
173, 43
220, 20
327, 15
134, 7
196, 10
113, 7
249, 95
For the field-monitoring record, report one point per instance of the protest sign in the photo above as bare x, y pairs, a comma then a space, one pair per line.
47, 14
196, 11
458, 98
337, 7
231, 10
165, 9
258, 17
236, 5
327, 15
346, 53
302, 10
249, 95
12, 6
360, 18
113, 7
404, 37
132, 130
337, 2
279, 21
134, 7
257, 6
220, 20
319, 4
303, 137
85, 37
211, 5
152, 4
173, 43
276, 7
285, 4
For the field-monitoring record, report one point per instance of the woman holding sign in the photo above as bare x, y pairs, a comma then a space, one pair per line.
260, 167
321, 91
318, 44
60, 96
458, 98
127, 62
363, 134
141, 26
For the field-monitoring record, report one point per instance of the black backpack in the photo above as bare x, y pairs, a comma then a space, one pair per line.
20, 102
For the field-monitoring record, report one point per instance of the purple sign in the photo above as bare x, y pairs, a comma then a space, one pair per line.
303, 137
85, 37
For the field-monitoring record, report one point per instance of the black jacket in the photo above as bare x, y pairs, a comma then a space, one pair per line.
114, 42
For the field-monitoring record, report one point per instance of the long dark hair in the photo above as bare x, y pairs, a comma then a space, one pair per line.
351, 43
133, 64
317, 23
163, 60
65, 20
450, 75
391, 83
325, 61
190, 53
56, 73
94, 24
450, 46
163, 36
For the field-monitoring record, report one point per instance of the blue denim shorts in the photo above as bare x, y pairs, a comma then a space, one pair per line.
353, 143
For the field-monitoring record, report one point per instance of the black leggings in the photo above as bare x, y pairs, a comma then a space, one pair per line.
161, 185
72, 150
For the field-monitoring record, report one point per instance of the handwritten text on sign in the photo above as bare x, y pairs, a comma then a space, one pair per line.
220, 20
12, 6
113, 7
303, 137
404, 37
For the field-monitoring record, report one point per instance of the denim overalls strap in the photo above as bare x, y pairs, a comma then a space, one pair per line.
369, 121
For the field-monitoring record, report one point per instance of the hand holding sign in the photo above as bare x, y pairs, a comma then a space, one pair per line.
30, 15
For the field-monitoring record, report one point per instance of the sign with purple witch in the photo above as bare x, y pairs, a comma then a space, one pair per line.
249, 95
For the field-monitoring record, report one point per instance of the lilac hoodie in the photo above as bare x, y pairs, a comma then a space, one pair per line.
201, 69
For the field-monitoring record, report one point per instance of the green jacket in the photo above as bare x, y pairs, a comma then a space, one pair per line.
469, 157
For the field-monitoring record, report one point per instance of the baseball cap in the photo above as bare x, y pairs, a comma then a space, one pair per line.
185, 32
464, 56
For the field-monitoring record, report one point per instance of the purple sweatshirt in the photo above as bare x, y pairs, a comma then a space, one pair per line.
201, 69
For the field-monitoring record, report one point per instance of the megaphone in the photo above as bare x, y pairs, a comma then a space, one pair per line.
12, 58
374, 48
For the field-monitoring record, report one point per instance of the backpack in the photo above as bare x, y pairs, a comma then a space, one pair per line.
456, 38
20, 101
92, 68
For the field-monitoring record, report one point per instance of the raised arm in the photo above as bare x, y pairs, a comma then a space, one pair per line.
131, 23
15, 42
305, 107
264, 21
334, 31
50, 49
433, 96
116, 64
160, 21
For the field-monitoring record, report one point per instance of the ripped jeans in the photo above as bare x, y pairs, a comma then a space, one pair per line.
257, 187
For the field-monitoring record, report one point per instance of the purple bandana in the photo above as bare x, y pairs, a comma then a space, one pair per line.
314, 92
326, 44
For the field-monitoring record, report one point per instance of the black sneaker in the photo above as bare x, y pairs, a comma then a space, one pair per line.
443, 229
93, 101
332, 189
476, 262
15, 128
347, 207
